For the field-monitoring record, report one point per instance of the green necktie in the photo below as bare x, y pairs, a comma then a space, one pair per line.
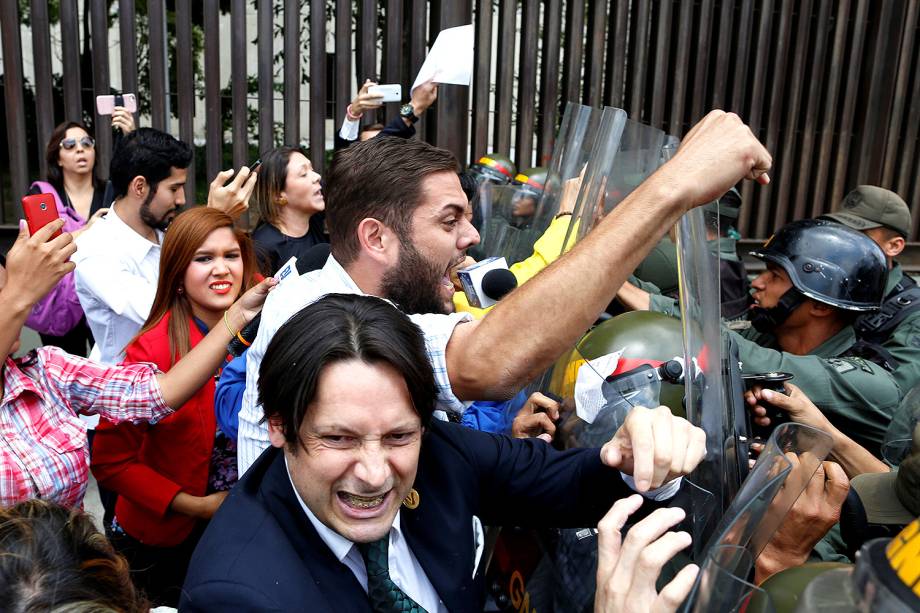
385, 596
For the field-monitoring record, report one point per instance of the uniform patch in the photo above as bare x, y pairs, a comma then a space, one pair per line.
845, 365
914, 341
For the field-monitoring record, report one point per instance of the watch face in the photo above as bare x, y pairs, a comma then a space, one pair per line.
407, 111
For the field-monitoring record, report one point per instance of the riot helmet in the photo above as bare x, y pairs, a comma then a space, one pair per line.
826, 262
529, 184
493, 168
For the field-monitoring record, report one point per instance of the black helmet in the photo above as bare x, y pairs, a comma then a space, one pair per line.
494, 168
830, 263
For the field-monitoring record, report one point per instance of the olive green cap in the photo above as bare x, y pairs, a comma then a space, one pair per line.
868, 207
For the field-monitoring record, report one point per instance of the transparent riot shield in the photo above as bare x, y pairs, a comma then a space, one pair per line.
899, 437
625, 153
785, 466
515, 216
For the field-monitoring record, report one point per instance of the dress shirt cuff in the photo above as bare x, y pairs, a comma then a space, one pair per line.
349, 129
665, 492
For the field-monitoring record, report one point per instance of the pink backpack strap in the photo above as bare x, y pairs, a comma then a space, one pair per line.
72, 219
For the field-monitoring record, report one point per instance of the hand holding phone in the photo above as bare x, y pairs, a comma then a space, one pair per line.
390, 92
40, 210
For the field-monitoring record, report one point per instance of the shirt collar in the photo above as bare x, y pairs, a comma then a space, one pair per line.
339, 545
836, 344
16, 382
333, 269
136, 246
894, 277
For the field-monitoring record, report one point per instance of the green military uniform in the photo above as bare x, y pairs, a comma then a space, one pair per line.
904, 342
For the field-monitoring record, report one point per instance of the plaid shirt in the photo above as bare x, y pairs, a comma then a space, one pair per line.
43, 445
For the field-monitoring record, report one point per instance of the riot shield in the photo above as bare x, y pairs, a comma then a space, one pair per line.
511, 236
900, 432
785, 466
625, 153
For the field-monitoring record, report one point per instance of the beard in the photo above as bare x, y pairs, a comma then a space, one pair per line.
150, 219
414, 284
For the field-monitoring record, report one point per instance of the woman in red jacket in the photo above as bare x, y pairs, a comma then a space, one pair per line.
170, 478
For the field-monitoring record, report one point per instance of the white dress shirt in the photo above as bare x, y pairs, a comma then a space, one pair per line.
289, 298
405, 571
350, 129
116, 281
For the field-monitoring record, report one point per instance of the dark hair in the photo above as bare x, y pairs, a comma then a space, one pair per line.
374, 127
336, 328
54, 556
53, 152
148, 153
272, 176
380, 178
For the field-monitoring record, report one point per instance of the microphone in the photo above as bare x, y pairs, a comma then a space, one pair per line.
498, 282
314, 259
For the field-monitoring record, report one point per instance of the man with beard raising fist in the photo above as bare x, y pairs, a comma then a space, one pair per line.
395, 214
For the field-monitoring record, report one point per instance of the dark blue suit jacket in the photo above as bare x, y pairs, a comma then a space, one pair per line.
261, 553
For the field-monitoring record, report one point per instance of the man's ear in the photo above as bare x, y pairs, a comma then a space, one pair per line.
819, 309
378, 241
894, 246
138, 187
276, 432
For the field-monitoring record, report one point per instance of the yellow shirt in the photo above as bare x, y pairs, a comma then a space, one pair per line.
545, 251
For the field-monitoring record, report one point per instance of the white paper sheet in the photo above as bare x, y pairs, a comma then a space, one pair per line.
450, 59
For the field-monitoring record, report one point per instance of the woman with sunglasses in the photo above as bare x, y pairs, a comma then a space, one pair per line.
172, 477
79, 196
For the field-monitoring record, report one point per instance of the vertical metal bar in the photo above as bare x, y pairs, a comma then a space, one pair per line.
185, 86
660, 76
239, 83
292, 72
13, 99
797, 90
681, 69
70, 56
266, 75
835, 77
549, 88
318, 84
854, 67
905, 69
214, 137
742, 65
594, 65
637, 79
128, 44
504, 80
883, 80
101, 84
159, 105
452, 109
615, 84
817, 63
367, 46
704, 50
418, 48
907, 173
767, 211
527, 82
394, 50
342, 60
44, 97
723, 56
482, 78
758, 93
574, 50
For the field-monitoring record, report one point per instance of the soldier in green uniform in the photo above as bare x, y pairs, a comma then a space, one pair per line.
884, 217
658, 271
820, 276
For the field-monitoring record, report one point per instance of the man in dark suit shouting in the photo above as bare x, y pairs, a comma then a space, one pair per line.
365, 503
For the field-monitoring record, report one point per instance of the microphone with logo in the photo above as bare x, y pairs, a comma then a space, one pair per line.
314, 259
487, 282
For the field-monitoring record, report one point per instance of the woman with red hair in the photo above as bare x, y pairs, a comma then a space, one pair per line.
172, 477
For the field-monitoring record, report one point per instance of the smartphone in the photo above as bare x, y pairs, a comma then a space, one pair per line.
391, 92
40, 210
106, 104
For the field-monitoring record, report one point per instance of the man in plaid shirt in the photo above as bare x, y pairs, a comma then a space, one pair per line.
44, 451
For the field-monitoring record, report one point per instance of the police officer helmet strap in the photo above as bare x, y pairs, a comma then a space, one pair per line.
767, 320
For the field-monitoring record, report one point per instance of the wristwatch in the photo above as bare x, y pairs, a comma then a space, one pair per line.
408, 111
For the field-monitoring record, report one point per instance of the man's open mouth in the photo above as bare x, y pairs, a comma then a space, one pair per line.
362, 502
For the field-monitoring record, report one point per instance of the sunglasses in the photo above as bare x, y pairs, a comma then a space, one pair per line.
87, 142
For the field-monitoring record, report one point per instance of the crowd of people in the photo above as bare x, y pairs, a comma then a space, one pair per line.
361, 447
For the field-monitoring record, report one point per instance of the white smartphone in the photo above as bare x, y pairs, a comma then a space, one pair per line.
106, 104
391, 92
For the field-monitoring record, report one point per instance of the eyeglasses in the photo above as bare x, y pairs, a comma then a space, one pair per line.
87, 142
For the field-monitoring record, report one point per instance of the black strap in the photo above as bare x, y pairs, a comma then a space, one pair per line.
878, 326
872, 352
